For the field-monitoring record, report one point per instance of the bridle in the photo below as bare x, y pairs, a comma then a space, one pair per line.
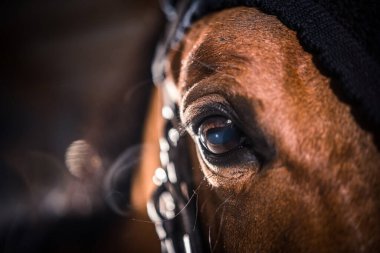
173, 207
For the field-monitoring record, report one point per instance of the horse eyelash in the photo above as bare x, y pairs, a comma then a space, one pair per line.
182, 128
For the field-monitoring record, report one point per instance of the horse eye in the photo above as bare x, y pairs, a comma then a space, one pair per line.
219, 135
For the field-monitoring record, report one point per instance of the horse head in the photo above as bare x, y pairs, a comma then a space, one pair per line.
280, 162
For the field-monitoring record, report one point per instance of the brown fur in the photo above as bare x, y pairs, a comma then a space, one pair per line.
319, 191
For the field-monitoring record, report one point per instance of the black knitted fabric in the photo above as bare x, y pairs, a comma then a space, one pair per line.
343, 36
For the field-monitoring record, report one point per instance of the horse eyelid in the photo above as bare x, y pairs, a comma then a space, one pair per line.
201, 113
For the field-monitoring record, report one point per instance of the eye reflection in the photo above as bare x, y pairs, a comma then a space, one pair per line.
219, 135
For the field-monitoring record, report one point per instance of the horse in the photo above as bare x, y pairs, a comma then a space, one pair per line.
280, 163
295, 171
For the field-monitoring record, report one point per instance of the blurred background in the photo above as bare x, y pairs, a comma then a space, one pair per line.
68, 72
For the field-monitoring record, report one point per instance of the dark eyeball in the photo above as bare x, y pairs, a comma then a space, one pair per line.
219, 135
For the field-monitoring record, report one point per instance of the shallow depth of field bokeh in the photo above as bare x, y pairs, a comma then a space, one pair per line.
67, 72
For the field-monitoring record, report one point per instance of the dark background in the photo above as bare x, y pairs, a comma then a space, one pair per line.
69, 70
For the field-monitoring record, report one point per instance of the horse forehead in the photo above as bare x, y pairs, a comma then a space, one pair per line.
231, 42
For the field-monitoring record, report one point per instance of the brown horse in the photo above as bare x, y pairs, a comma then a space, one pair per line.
294, 171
